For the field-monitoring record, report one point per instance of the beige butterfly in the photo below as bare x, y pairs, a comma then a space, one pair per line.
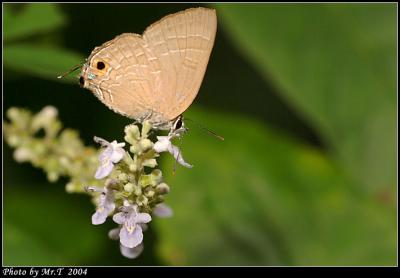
157, 75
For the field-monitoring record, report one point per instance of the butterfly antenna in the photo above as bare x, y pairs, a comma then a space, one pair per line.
74, 68
206, 129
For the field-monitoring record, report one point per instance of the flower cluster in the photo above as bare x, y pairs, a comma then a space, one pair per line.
133, 188
125, 185
38, 139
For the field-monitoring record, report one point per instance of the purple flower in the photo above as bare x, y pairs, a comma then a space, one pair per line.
112, 154
130, 253
164, 144
131, 233
104, 207
162, 210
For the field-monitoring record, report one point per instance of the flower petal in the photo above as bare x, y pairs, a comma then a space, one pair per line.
109, 207
131, 253
133, 239
162, 144
104, 170
162, 210
176, 153
142, 218
101, 141
114, 151
108, 203
105, 155
117, 155
119, 217
99, 217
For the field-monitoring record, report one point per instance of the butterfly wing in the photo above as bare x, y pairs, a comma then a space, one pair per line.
156, 75
182, 42
130, 78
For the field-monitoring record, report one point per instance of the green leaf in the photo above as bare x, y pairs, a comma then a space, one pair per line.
22, 248
258, 198
33, 19
336, 63
45, 227
41, 61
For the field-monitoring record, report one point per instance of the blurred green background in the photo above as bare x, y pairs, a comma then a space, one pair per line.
305, 95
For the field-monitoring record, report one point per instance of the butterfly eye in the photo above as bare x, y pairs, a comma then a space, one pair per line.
100, 65
178, 124
81, 81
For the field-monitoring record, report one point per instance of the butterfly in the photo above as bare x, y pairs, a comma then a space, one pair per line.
157, 75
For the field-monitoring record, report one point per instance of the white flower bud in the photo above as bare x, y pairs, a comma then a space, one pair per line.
129, 187
150, 163
23, 154
145, 144
146, 128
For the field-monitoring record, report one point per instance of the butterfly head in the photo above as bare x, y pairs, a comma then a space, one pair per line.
94, 68
178, 127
